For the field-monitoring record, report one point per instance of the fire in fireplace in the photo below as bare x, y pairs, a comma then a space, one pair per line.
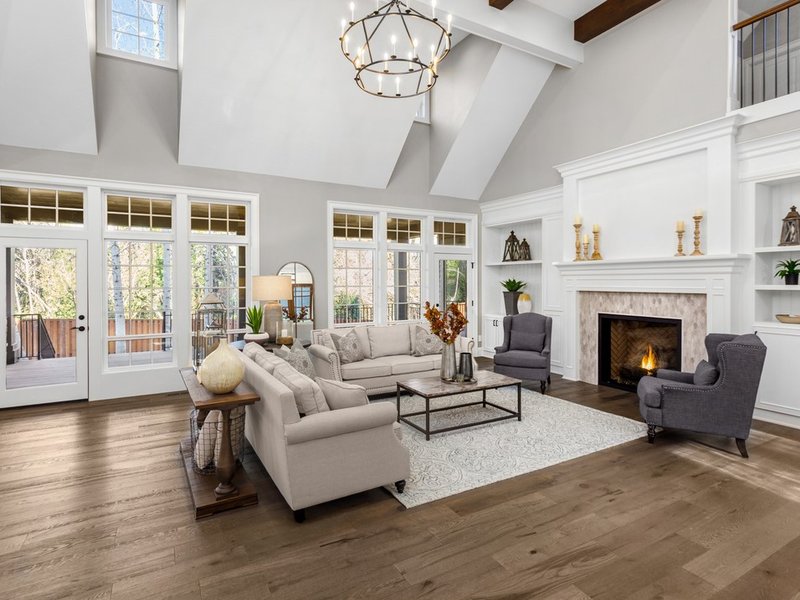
630, 347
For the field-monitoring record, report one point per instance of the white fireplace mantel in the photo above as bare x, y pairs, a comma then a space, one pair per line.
715, 276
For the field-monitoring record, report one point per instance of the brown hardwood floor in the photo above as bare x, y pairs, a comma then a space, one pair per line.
94, 504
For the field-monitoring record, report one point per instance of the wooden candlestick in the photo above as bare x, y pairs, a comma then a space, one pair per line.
578, 256
697, 219
680, 244
596, 254
586, 248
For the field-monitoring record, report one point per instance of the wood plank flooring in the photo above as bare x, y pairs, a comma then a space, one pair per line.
94, 505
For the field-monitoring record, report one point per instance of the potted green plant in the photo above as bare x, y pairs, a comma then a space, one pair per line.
789, 271
513, 289
254, 318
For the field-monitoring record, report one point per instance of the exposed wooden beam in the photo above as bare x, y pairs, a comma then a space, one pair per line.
499, 4
607, 16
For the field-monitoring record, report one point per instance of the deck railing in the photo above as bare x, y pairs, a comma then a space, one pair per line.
768, 48
34, 337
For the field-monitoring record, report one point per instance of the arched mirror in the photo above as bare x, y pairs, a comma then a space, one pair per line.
302, 303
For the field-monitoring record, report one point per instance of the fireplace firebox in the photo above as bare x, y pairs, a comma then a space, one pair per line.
630, 347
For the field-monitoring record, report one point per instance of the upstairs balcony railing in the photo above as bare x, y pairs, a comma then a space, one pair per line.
768, 48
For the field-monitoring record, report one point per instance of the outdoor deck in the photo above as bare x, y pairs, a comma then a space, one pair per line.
53, 371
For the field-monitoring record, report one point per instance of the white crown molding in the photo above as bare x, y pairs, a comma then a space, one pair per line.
522, 207
771, 157
681, 141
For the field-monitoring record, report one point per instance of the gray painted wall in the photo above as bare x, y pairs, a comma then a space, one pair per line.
137, 120
662, 71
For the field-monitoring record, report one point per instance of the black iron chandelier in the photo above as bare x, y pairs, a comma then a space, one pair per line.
395, 49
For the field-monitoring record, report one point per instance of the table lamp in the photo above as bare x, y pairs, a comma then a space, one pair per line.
271, 289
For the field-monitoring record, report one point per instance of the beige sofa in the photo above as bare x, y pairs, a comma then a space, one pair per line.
323, 456
380, 370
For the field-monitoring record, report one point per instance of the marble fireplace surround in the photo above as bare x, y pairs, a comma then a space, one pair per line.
698, 290
690, 309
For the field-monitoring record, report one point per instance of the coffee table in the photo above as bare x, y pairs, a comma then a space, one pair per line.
431, 388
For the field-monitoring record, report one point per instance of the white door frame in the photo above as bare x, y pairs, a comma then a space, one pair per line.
79, 389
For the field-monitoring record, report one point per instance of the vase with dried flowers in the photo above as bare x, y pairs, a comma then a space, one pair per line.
294, 316
447, 325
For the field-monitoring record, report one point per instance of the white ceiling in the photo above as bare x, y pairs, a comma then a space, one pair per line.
571, 9
47, 100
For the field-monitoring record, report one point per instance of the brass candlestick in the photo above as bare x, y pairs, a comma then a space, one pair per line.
697, 220
680, 244
596, 254
586, 250
578, 228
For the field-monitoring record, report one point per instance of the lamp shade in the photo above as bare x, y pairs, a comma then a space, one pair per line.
272, 287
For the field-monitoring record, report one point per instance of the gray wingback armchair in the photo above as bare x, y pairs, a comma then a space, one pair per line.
525, 353
723, 407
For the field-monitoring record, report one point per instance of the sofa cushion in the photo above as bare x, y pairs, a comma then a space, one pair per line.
389, 341
339, 394
523, 340
705, 373
263, 358
521, 358
348, 347
307, 394
366, 368
298, 357
409, 364
425, 343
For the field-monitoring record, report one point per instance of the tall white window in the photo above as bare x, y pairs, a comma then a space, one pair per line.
219, 258
144, 30
139, 245
380, 262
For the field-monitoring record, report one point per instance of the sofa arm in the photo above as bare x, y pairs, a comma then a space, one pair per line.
339, 422
675, 376
326, 362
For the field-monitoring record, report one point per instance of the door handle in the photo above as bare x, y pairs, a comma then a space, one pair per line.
81, 328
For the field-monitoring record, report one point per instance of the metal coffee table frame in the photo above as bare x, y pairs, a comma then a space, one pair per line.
457, 389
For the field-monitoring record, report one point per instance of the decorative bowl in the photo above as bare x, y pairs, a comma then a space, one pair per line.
793, 319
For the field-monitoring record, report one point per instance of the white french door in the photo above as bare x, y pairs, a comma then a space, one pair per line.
45, 324
454, 282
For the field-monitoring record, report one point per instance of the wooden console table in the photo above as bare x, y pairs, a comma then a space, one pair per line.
229, 487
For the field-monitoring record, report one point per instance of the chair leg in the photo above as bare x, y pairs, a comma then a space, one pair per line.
300, 515
543, 386
400, 486
651, 433
741, 444
548, 381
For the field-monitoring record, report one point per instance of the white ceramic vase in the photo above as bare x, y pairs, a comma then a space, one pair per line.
524, 303
222, 370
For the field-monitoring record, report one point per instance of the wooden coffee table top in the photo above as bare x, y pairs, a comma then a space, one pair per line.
433, 387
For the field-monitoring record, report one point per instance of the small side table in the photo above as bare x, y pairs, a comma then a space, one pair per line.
229, 487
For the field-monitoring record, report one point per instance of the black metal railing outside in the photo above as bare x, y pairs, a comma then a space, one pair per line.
768, 45
35, 341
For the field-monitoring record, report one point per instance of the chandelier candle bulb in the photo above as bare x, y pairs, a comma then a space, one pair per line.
433, 9
352, 12
347, 45
394, 46
344, 26
449, 24
380, 84
397, 86
386, 62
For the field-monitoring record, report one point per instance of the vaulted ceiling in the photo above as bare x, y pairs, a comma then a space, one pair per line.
264, 88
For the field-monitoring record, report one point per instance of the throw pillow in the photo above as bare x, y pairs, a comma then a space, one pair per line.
530, 342
425, 343
299, 358
348, 348
339, 394
392, 340
307, 394
327, 341
705, 373
207, 440
264, 359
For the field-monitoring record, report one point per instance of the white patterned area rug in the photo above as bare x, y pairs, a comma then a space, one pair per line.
552, 431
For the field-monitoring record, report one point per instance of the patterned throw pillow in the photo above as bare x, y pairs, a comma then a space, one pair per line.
425, 343
298, 357
348, 348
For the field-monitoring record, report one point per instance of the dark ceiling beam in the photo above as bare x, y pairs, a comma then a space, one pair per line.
499, 4
607, 16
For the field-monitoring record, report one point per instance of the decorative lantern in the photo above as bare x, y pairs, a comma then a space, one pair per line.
525, 250
209, 328
511, 251
790, 233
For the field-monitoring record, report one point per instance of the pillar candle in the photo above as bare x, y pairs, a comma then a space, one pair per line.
680, 227
595, 228
578, 220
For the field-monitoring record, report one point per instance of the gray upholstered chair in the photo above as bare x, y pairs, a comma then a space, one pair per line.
723, 404
525, 353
